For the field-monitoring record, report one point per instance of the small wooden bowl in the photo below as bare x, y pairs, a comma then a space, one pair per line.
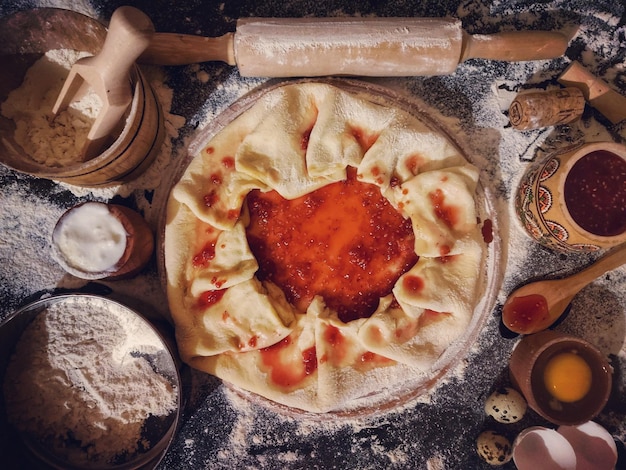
24, 38
137, 253
527, 365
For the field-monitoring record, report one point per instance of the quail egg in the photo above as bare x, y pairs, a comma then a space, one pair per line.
506, 405
494, 448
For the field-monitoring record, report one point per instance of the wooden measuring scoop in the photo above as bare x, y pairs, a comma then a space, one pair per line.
536, 306
108, 74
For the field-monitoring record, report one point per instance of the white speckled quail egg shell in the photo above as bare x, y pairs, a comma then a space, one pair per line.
506, 405
494, 448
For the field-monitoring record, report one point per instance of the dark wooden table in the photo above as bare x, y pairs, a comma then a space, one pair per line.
219, 429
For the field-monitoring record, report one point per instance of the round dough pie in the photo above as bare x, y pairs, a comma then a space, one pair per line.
242, 277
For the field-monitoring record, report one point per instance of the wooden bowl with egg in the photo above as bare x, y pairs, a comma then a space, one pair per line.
30, 36
564, 378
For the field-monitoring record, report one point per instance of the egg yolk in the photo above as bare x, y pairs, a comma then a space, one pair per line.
567, 377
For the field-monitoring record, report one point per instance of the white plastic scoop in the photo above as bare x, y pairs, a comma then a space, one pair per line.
108, 75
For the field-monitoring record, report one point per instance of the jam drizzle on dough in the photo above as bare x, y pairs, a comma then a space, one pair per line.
286, 368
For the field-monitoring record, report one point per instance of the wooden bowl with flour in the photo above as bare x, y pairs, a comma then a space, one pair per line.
50, 39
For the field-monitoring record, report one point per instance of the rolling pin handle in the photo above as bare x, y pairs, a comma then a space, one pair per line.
514, 46
183, 49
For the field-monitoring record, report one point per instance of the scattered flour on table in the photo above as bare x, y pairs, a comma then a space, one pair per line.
79, 381
225, 94
27, 221
250, 428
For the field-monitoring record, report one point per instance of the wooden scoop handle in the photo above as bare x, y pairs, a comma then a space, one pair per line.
514, 46
129, 34
108, 75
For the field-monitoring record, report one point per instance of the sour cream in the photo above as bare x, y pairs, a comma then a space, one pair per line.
89, 238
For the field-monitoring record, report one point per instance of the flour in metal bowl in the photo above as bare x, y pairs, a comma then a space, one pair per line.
91, 385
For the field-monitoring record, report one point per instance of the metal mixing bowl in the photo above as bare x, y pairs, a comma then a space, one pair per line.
19, 450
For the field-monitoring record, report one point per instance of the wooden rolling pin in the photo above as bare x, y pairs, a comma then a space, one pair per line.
294, 47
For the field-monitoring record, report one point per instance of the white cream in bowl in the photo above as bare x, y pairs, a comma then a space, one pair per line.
90, 239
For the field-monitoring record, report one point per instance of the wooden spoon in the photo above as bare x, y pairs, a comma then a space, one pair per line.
108, 74
536, 306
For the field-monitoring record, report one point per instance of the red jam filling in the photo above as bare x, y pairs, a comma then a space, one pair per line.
525, 313
344, 242
447, 213
286, 368
595, 193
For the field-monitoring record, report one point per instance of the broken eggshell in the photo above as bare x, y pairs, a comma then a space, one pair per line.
543, 448
586, 446
594, 446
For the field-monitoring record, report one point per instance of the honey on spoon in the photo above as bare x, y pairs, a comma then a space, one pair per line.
535, 306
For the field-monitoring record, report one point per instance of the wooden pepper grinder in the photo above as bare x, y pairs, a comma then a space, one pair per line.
535, 109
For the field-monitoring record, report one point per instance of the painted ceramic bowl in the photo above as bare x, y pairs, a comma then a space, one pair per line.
575, 200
